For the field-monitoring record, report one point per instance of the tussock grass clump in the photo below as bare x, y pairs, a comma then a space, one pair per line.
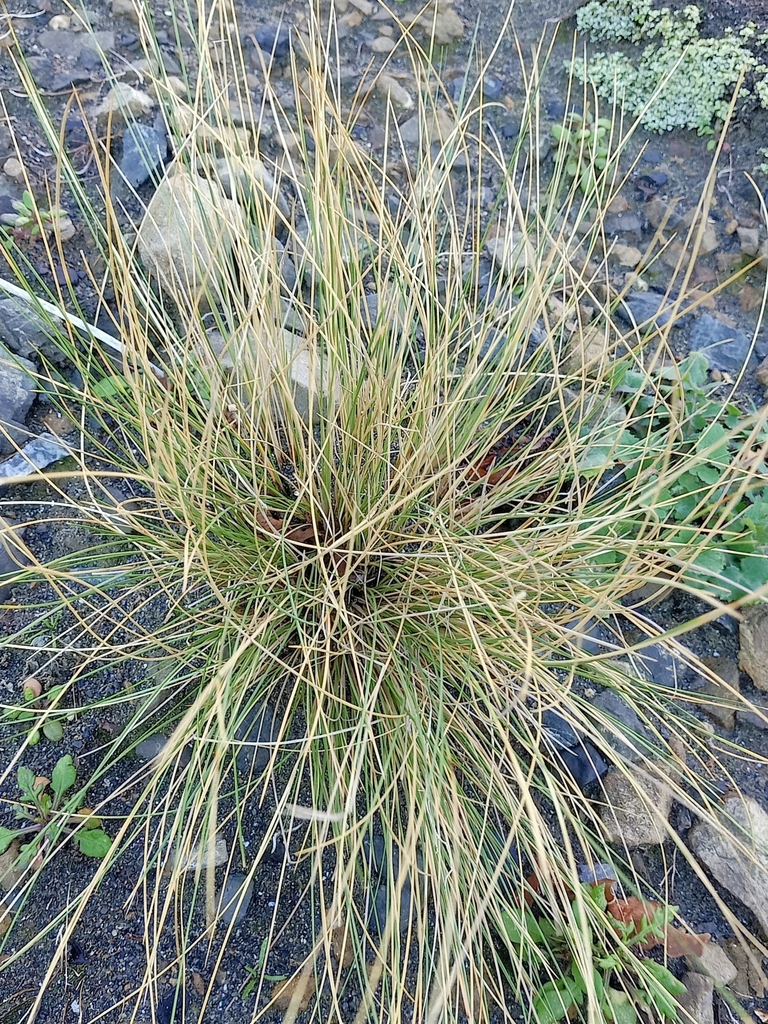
374, 511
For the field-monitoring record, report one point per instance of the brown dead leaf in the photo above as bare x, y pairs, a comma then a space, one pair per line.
198, 983
269, 523
341, 943
300, 985
5, 919
9, 870
304, 533
637, 912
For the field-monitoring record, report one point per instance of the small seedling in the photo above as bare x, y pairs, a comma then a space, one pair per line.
36, 703
30, 220
46, 820
582, 147
255, 973
713, 435
622, 982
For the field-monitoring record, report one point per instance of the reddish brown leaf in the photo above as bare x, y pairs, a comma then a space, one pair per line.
680, 943
304, 533
267, 522
638, 912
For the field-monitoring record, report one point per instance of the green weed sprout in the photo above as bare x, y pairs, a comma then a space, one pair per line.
620, 982
35, 708
376, 506
583, 146
45, 820
30, 220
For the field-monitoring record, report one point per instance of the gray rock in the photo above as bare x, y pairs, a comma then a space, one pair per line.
377, 914
287, 268
375, 853
37, 454
559, 729
532, 18
629, 737
713, 962
627, 223
250, 180
644, 307
594, 637
696, 1004
235, 898
582, 761
6, 142
592, 873
735, 852
145, 147
636, 810
186, 236
660, 665
492, 88
150, 747
17, 392
369, 309
274, 41
200, 855
753, 645
256, 733
71, 44
23, 330
14, 555
727, 348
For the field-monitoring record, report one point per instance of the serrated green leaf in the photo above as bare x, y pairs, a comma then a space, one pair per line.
708, 474
694, 368
753, 571
7, 835
93, 842
713, 561
64, 776
26, 781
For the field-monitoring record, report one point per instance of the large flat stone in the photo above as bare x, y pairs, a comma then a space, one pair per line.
736, 852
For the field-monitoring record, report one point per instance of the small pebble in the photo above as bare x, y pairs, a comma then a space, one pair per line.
274, 42
492, 88
383, 44
151, 746
592, 873
14, 169
59, 23
653, 156
657, 178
